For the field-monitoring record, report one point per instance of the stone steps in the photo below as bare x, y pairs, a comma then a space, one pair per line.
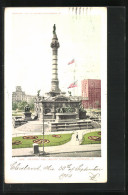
71, 126
33, 127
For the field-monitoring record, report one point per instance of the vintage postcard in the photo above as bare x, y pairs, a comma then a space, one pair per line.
55, 74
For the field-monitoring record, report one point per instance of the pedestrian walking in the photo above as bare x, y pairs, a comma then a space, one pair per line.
77, 137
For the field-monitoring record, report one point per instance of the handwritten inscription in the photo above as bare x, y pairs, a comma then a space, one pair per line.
94, 177
79, 168
65, 171
63, 175
19, 166
49, 168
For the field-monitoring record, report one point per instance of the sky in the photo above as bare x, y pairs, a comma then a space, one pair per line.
82, 36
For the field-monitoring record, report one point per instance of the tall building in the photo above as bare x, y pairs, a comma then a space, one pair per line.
20, 95
91, 93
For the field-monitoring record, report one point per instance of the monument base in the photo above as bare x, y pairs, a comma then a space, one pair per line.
70, 126
54, 93
27, 116
64, 117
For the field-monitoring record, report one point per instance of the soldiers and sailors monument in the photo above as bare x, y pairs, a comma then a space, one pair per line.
57, 108
58, 111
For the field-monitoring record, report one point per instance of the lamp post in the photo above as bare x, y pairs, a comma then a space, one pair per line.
43, 125
43, 130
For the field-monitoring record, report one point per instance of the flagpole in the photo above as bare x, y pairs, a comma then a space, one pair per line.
74, 76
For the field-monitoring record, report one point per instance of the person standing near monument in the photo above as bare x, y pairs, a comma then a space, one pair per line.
77, 139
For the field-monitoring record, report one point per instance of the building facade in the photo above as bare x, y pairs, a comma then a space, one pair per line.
91, 93
20, 95
29, 98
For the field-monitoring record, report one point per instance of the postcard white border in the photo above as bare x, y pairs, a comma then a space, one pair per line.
61, 170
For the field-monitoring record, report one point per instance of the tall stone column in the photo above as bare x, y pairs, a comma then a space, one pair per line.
55, 45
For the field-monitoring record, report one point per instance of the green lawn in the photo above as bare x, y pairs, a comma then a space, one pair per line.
54, 141
86, 140
17, 113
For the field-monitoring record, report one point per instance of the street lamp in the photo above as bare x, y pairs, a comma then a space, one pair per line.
43, 126
43, 130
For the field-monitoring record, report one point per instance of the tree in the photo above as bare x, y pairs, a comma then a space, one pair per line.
31, 104
21, 105
14, 106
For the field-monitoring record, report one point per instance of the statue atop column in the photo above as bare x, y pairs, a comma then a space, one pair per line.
38, 93
54, 29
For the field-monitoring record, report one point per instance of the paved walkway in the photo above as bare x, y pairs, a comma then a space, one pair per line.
72, 146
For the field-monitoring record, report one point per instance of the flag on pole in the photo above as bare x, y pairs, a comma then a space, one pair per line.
71, 62
73, 85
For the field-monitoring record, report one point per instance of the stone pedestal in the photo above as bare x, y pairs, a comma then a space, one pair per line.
63, 117
27, 116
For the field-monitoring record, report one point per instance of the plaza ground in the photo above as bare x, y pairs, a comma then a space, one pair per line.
67, 149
